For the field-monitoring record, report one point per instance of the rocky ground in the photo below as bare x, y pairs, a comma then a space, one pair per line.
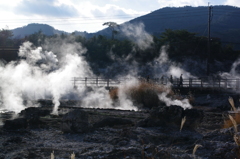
118, 134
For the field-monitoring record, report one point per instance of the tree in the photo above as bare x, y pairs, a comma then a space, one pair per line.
37, 38
180, 42
112, 26
5, 37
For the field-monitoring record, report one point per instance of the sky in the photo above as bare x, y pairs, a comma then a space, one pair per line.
86, 15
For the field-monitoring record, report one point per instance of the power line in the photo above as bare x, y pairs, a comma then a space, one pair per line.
153, 14
106, 17
118, 16
100, 20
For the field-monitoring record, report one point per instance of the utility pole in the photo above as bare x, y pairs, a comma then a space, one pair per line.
209, 38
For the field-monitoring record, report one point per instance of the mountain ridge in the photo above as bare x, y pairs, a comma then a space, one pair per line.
225, 23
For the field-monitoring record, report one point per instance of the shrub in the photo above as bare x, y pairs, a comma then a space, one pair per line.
145, 94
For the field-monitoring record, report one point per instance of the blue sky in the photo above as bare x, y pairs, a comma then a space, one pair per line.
86, 15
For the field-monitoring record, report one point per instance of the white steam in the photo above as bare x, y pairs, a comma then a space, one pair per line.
100, 98
124, 101
137, 34
168, 101
39, 75
233, 73
44, 74
164, 66
47, 60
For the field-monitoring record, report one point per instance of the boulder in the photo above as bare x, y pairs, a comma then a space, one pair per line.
163, 116
75, 121
33, 114
171, 116
194, 117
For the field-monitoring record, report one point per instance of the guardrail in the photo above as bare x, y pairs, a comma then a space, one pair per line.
190, 83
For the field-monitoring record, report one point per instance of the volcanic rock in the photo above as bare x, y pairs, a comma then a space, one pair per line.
171, 116
193, 118
110, 122
15, 124
33, 114
75, 121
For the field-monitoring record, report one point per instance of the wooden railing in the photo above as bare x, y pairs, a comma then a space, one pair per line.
191, 82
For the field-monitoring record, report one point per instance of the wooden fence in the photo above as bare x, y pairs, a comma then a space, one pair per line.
191, 82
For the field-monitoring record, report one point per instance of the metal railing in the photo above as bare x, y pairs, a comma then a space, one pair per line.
9, 48
190, 83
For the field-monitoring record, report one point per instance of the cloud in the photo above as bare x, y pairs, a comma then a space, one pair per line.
181, 3
78, 15
233, 3
45, 8
111, 11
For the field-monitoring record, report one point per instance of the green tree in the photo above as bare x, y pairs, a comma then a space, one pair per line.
180, 42
112, 26
37, 38
5, 37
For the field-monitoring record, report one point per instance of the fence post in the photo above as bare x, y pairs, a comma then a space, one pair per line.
85, 81
225, 83
219, 83
237, 84
108, 82
201, 83
73, 82
190, 82
97, 81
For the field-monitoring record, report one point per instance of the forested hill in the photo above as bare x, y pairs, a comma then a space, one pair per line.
225, 21
194, 19
33, 28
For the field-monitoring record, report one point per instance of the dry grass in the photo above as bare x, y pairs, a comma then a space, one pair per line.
52, 155
144, 94
113, 93
236, 138
141, 89
195, 149
230, 99
231, 122
182, 123
72, 156
234, 123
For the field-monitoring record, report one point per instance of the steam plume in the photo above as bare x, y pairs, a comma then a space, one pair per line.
137, 34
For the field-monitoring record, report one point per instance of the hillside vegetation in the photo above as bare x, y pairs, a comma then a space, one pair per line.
112, 54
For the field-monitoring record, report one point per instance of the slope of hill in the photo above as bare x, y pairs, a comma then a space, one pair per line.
33, 28
225, 22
